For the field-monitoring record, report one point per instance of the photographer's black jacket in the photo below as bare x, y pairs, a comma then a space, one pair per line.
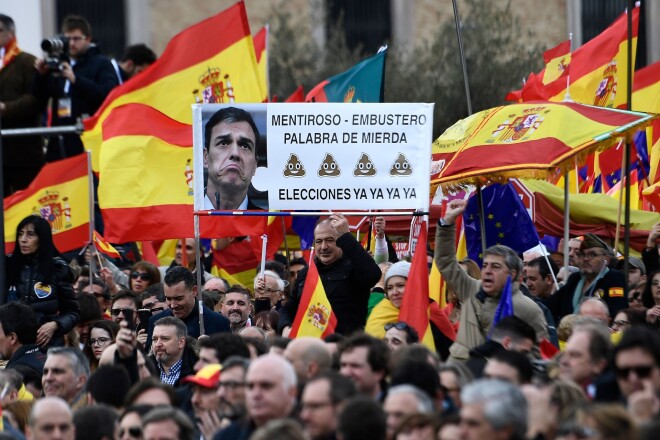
95, 78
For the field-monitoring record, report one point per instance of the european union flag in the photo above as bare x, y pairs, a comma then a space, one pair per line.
507, 221
304, 227
505, 306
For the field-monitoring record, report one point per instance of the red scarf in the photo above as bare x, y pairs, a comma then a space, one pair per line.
11, 52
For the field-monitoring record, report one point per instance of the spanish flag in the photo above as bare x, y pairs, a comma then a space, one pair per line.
415, 304
59, 194
212, 61
646, 98
104, 247
261, 51
598, 69
237, 263
315, 317
146, 173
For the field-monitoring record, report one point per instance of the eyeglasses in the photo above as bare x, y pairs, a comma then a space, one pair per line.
133, 431
269, 291
76, 38
396, 325
231, 384
641, 371
99, 341
590, 255
116, 312
144, 276
620, 323
155, 310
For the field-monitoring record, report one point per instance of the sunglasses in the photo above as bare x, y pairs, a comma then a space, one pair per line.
116, 312
133, 431
396, 325
641, 371
144, 276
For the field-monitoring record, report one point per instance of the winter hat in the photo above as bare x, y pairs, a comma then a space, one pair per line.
398, 269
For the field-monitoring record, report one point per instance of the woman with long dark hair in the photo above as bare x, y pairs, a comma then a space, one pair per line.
39, 277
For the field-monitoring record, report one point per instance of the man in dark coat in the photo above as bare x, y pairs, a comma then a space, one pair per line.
347, 272
77, 87
181, 297
595, 279
23, 156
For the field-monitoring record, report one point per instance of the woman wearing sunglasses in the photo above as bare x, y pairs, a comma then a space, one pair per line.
39, 277
143, 275
387, 311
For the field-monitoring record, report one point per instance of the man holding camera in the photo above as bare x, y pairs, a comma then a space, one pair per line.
76, 77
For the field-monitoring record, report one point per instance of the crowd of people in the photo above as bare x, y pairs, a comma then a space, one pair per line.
134, 351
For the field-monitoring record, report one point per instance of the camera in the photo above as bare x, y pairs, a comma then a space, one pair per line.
57, 49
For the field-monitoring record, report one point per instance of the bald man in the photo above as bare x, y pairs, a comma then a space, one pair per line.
50, 419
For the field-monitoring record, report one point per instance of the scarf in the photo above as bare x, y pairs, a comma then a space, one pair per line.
11, 51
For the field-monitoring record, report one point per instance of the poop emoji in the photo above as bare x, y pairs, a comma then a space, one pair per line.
401, 166
329, 167
294, 167
365, 167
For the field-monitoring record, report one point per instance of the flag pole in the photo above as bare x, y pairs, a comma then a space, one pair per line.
567, 222
629, 72
468, 99
199, 269
92, 223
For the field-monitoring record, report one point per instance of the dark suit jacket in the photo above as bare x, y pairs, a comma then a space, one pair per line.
561, 303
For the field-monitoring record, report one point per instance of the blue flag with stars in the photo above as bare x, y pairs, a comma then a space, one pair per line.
507, 221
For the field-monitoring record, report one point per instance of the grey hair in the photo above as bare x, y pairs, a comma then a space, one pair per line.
600, 302
181, 329
504, 405
77, 359
424, 403
281, 284
511, 259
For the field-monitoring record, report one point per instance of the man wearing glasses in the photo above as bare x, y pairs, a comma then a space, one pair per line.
637, 368
595, 279
77, 87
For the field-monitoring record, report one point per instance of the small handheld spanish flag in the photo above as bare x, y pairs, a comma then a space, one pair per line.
104, 247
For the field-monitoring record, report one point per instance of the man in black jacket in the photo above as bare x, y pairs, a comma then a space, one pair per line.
77, 88
595, 279
347, 272
18, 337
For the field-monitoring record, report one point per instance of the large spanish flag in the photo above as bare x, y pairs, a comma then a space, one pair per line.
212, 61
60, 194
146, 174
315, 317
598, 69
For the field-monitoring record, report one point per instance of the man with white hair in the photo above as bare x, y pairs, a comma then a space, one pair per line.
493, 409
271, 395
403, 400
595, 308
268, 291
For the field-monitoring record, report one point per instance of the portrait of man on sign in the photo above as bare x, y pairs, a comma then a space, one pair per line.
233, 149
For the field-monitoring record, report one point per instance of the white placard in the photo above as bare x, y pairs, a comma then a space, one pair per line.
329, 156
